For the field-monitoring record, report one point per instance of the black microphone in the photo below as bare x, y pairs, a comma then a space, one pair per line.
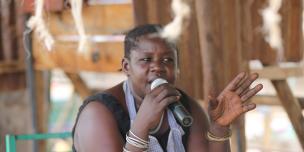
179, 111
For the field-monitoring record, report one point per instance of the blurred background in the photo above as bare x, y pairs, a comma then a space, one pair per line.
45, 74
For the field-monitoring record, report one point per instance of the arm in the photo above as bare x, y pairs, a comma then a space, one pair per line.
197, 138
97, 130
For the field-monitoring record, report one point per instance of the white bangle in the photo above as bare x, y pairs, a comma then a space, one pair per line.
137, 142
155, 130
140, 139
212, 137
126, 150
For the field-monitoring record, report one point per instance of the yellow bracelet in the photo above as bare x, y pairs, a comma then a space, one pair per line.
212, 137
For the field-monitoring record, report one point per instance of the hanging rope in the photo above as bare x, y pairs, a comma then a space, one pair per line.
37, 24
76, 5
271, 27
181, 11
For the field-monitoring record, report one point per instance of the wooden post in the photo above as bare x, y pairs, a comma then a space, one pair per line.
156, 11
140, 13
8, 35
1, 45
80, 86
292, 107
42, 105
191, 68
222, 54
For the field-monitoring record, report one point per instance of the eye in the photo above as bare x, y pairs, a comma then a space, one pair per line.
167, 60
145, 59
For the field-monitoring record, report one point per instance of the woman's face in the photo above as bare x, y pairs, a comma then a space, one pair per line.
152, 58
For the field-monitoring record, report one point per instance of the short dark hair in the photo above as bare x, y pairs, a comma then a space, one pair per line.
132, 36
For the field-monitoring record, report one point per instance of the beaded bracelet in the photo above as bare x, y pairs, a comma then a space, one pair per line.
212, 137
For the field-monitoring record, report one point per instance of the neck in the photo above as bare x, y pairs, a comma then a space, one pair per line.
138, 99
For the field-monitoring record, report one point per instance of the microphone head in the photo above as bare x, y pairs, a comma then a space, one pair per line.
157, 82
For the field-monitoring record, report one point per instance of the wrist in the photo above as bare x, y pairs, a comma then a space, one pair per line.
140, 130
219, 130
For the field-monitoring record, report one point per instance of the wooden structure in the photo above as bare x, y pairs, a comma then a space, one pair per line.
221, 39
13, 93
229, 40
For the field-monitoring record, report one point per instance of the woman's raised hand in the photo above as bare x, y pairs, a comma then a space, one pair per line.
232, 101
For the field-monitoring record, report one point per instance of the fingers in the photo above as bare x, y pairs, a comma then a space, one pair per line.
212, 102
164, 95
246, 84
248, 107
171, 90
236, 81
251, 92
168, 100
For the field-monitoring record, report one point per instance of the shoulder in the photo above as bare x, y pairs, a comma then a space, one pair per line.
94, 119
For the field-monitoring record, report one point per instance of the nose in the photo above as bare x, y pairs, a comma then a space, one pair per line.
157, 67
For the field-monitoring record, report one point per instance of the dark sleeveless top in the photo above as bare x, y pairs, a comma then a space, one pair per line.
123, 120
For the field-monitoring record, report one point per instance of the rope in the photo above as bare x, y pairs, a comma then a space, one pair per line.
271, 27
76, 5
37, 24
181, 11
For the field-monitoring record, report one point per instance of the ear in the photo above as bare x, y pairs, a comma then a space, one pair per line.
125, 66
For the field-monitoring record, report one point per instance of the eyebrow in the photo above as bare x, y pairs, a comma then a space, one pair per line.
150, 52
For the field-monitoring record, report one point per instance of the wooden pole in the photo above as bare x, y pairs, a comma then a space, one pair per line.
223, 58
140, 13
80, 86
292, 107
191, 68
1, 45
9, 34
42, 105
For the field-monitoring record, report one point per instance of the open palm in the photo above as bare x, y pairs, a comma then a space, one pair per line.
232, 101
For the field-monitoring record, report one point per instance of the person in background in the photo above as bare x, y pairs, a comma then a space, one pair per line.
131, 117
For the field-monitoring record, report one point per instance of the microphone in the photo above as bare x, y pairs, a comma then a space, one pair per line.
179, 111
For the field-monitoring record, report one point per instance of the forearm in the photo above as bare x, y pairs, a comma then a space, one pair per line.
219, 146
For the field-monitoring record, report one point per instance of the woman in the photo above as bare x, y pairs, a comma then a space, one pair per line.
132, 117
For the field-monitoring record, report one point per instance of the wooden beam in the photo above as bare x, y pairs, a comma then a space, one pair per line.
11, 67
97, 19
292, 107
105, 57
279, 73
272, 100
220, 40
80, 86
49, 5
